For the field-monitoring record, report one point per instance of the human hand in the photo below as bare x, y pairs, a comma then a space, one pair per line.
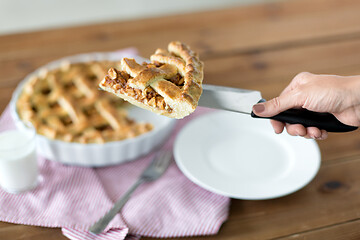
337, 95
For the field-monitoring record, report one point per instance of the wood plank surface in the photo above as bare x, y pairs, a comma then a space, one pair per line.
283, 24
273, 24
257, 47
347, 230
10, 231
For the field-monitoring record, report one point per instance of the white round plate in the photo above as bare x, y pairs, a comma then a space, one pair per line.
241, 157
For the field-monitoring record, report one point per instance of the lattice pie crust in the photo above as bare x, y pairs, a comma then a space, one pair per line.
170, 85
65, 104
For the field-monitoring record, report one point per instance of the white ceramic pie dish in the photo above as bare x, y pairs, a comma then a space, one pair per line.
98, 155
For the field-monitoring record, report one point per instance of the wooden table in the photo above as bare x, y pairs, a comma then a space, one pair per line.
257, 47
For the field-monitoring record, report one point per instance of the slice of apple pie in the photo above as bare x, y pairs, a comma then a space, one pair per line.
170, 85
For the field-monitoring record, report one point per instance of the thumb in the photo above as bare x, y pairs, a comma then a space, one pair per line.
276, 105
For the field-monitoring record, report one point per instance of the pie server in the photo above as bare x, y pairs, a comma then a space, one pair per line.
242, 100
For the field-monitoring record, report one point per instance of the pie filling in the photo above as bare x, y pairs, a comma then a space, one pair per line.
118, 80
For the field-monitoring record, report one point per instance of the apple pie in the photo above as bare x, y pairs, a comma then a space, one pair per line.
170, 85
65, 104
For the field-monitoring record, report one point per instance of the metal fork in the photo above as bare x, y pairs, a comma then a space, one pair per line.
155, 169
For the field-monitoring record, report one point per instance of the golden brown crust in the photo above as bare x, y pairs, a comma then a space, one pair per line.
65, 104
175, 75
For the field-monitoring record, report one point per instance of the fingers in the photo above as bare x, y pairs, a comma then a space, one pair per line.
317, 135
309, 132
313, 132
290, 97
324, 135
279, 104
296, 130
277, 126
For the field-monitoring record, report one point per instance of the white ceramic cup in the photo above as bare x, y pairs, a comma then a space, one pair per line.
18, 161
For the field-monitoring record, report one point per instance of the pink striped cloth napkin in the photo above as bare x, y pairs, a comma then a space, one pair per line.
73, 198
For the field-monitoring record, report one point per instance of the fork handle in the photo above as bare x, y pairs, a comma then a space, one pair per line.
101, 224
